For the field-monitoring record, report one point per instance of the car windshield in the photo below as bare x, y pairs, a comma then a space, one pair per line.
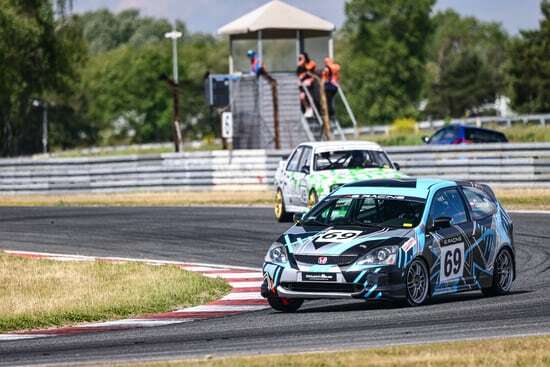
367, 210
346, 159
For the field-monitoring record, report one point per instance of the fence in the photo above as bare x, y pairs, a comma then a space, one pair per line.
519, 165
503, 121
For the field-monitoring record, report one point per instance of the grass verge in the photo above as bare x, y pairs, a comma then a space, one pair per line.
517, 352
42, 293
177, 198
526, 199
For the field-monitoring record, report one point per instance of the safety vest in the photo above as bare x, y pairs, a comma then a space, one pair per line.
304, 68
331, 73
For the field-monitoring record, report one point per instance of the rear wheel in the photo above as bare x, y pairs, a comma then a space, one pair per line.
284, 304
279, 208
312, 199
418, 283
503, 274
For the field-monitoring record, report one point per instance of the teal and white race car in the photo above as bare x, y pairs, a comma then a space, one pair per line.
314, 170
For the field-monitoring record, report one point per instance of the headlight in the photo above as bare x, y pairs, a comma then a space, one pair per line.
386, 255
276, 253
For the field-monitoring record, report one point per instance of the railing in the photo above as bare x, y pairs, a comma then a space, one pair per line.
517, 165
503, 121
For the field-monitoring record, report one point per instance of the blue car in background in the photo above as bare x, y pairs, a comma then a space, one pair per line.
394, 239
462, 134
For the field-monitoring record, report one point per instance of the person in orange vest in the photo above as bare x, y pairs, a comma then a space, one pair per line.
306, 66
331, 77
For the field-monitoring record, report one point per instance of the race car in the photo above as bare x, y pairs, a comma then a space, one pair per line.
393, 239
315, 169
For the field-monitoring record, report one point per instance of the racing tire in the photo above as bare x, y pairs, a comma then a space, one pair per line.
312, 199
284, 304
503, 275
417, 283
281, 214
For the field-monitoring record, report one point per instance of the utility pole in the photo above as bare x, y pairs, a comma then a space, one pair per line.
173, 84
44, 105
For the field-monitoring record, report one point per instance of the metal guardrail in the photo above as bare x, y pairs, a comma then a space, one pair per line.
517, 165
503, 121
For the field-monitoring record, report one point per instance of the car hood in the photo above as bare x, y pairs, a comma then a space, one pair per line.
310, 240
356, 174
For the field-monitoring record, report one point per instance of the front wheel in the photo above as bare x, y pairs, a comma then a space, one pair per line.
312, 199
279, 208
284, 304
418, 283
503, 275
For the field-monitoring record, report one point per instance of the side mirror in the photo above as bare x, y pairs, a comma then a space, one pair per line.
297, 218
440, 222
396, 166
426, 139
305, 169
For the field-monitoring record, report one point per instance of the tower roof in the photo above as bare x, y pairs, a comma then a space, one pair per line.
276, 15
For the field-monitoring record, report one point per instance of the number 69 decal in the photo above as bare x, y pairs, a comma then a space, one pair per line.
452, 262
337, 236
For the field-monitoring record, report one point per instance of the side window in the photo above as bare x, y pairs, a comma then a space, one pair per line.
337, 210
294, 160
445, 135
448, 203
306, 159
480, 203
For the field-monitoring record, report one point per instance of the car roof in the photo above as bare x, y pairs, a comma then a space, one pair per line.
414, 187
342, 145
464, 126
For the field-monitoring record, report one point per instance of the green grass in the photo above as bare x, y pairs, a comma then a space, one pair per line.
43, 293
512, 352
131, 150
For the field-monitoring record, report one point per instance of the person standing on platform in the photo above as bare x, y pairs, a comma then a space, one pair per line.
305, 68
331, 78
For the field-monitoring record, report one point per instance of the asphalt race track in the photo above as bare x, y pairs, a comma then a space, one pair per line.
240, 236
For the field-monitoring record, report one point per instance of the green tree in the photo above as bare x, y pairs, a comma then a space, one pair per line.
529, 68
384, 63
104, 31
128, 103
37, 57
466, 59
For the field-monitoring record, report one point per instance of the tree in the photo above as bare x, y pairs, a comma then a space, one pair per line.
128, 103
384, 69
104, 31
36, 59
466, 59
529, 67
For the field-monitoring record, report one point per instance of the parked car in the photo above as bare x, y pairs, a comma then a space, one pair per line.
408, 239
315, 169
462, 134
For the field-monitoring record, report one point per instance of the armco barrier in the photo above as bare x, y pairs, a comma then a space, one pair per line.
520, 165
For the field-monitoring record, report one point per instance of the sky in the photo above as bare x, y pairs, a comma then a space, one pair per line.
209, 15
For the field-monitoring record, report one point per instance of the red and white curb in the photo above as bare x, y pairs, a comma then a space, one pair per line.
244, 297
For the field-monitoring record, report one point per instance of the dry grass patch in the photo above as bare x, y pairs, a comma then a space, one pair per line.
517, 352
534, 199
179, 198
41, 293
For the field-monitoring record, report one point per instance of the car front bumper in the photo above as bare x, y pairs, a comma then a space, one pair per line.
369, 283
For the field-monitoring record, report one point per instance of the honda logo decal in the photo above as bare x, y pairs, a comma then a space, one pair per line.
322, 260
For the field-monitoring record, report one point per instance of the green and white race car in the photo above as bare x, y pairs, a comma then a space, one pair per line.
314, 170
